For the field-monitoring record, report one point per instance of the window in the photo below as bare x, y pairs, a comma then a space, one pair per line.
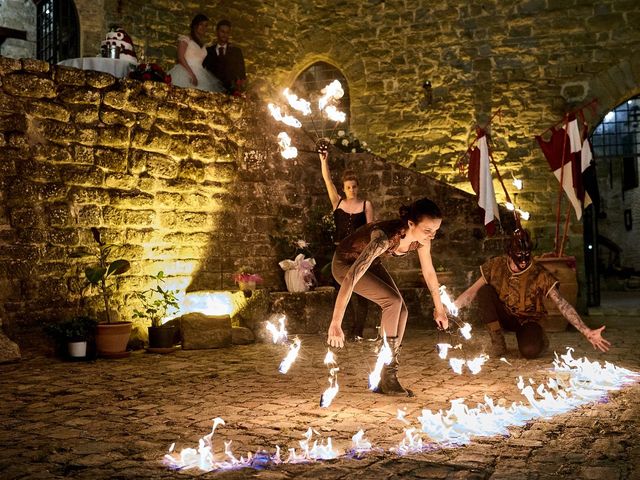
618, 135
308, 86
58, 30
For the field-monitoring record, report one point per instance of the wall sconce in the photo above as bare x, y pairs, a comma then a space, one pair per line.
427, 101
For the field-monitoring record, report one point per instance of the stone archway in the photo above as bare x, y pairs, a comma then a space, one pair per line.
325, 46
613, 86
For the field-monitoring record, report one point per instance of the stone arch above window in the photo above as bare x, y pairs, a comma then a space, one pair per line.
58, 30
308, 85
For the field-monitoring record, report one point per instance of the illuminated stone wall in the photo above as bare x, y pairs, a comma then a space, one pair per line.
534, 59
185, 182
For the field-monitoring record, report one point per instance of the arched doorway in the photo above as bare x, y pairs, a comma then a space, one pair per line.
309, 84
612, 250
58, 30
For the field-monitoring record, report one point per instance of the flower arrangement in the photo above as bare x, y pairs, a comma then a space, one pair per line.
247, 280
348, 143
150, 71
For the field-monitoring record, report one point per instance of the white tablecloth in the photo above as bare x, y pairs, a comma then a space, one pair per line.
115, 66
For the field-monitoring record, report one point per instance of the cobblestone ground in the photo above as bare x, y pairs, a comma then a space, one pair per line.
117, 418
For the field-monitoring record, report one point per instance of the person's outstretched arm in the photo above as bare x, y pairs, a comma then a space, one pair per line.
431, 279
593, 335
376, 247
466, 297
334, 197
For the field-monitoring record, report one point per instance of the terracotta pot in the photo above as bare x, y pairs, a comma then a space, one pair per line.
563, 269
112, 339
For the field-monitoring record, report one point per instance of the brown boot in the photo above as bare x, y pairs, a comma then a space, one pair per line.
498, 344
389, 384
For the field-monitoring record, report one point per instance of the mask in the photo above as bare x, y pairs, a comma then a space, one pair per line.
520, 248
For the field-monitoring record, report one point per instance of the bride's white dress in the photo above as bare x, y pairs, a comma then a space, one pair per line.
194, 55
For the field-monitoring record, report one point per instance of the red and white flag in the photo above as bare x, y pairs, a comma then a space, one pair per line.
482, 183
569, 156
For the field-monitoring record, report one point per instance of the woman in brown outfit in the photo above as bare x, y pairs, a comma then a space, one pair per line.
357, 267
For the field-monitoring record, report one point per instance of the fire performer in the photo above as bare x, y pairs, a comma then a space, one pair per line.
511, 292
357, 267
349, 214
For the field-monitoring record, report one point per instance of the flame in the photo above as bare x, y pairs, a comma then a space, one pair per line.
331, 392
334, 114
475, 365
278, 334
332, 91
318, 451
411, 443
517, 183
524, 215
329, 358
359, 444
573, 383
510, 206
465, 331
286, 119
286, 149
443, 350
456, 365
502, 359
447, 302
400, 416
384, 358
294, 348
299, 104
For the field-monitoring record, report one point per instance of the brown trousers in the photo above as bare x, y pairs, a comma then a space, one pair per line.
531, 337
378, 286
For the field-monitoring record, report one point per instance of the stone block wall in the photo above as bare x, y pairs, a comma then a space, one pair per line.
534, 60
182, 181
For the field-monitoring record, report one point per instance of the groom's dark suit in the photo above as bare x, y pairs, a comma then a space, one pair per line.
227, 66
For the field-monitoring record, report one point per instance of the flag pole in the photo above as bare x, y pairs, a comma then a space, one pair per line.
559, 248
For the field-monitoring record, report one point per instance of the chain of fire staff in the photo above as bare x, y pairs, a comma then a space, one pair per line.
280, 336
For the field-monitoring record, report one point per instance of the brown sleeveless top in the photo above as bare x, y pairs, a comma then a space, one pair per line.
352, 246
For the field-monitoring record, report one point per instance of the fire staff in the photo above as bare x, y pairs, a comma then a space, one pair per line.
357, 268
510, 294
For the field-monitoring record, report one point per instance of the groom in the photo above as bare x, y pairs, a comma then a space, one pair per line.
225, 61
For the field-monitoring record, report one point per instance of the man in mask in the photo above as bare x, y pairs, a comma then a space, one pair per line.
510, 294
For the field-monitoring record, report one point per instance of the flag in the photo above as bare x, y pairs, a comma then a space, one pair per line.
569, 157
482, 183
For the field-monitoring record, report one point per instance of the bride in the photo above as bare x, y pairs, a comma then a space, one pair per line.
189, 72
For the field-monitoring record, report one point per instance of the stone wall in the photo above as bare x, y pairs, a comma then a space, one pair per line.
19, 15
185, 182
533, 59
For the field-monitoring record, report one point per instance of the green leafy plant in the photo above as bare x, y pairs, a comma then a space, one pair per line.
78, 328
156, 302
99, 275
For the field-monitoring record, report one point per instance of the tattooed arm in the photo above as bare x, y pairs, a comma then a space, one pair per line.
594, 336
376, 247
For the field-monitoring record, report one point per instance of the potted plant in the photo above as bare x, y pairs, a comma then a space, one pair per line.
73, 334
247, 280
156, 302
111, 337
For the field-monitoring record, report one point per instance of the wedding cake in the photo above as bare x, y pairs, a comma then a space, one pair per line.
121, 39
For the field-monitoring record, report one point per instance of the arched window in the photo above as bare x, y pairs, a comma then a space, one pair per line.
308, 86
58, 30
